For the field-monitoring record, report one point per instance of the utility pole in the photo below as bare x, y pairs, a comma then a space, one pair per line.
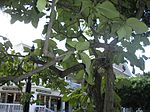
28, 89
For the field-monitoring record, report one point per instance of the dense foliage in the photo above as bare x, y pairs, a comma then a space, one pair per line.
96, 34
134, 92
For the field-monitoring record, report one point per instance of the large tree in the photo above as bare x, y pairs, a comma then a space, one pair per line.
96, 34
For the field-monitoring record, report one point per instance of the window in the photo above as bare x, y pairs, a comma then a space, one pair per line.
18, 97
2, 98
40, 99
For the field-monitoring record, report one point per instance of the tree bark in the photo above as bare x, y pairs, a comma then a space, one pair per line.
95, 91
109, 94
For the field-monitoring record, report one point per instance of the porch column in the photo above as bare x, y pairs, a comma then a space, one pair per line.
62, 106
14, 98
6, 96
44, 99
0, 98
49, 102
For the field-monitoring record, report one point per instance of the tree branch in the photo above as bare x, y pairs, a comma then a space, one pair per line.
105, 46
48, 34
80, 66
140, 11
22, 77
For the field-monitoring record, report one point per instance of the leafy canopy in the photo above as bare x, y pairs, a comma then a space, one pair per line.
86, 26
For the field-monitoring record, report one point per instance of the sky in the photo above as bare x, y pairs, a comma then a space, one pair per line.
19, 32
26, 33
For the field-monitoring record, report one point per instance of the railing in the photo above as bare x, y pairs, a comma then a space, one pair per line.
40, 108
8, 107
48, 110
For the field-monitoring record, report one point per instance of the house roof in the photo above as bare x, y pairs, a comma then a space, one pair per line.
122, 69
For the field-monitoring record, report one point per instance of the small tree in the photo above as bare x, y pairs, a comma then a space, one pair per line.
86, 26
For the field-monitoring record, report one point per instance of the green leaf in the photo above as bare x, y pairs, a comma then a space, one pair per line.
35, 22
72, 43
67, 56
86, 60
26, 49
138, 26
124, 31
13, 20
52, 43
79, 75
87, 3
123, 82
108, 9
41, 5
8, 44
82, 45
65, 97
89, 79
142, 64
39, 42
86, 7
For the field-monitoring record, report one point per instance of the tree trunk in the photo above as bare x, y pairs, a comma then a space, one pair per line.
95, 91
109, 94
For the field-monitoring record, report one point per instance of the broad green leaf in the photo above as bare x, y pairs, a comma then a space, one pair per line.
60, 51
87, 3
115, 27
52, 43
134, 60
138, 26
124, 31
8, 44
67, 56
86, 60
108, 9
39, 42
26, 49
89, 79
13, 20
72, 43
82, 45
79, 75
86, 7
35, 22
41, 5
142, 64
